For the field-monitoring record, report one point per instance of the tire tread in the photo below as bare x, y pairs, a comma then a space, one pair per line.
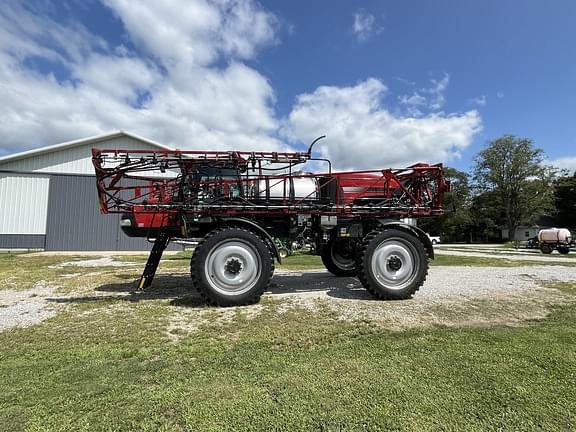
374, 290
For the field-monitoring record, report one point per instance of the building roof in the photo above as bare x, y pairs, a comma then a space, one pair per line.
83, 141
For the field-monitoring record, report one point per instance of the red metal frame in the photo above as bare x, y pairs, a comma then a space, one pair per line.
132, 181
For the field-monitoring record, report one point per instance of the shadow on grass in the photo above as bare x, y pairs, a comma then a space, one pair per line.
179, 290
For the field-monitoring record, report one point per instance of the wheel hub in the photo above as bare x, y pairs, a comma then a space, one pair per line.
394, 263
233, 266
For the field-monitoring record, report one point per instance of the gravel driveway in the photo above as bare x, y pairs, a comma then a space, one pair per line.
451, 296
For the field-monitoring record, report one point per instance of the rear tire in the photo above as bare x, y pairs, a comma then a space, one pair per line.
392, 264
338, 258
231, 267
564, 250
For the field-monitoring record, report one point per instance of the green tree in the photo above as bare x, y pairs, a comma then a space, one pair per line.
565, 201
487, 216
453, 224
512, 169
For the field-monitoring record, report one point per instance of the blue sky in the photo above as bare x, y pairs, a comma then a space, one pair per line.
389, 82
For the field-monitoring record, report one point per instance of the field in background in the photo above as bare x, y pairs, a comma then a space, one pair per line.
106, 359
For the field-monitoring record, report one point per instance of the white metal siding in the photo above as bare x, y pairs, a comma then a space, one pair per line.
23, 204
74, 160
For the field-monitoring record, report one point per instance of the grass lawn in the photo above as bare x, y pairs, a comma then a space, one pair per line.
113, 365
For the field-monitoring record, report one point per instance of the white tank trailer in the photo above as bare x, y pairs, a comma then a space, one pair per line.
555, 238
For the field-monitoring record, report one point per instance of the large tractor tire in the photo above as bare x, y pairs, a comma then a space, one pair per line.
392, 264
231, 267
338, 258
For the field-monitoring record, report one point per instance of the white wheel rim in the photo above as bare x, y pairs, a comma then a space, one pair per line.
233, 267
394, 264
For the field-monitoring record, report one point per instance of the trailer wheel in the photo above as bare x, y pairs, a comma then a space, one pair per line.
392, 264
546, 248
564, 250
283, 252
231, 266
338, 258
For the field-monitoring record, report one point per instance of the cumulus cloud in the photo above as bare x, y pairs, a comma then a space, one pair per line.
185, 83
362, 133
183, 33
365, 26
567, 163
181, 77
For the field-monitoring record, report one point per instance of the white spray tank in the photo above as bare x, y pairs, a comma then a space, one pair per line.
555, 235
295, 188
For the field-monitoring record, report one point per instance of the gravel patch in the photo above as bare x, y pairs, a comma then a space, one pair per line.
25, 308
451, 296
99, 262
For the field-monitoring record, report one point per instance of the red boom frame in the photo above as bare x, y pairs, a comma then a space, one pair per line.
154, 181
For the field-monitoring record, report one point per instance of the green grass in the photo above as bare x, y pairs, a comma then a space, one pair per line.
453, 260
298, 371
301, 262
114, 365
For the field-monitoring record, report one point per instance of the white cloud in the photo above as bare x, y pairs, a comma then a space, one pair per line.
365, 26
479, 100
362, 133
437, 90
425, 99
174, 90
564, 163
181, 78
181, 33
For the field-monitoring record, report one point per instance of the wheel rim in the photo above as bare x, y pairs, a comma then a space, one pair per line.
233, 267
394, 264
341, 261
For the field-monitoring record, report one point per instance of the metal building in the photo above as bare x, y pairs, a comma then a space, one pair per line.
48, 198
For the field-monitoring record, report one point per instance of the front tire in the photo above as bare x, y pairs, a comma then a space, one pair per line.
338, 258
546, 248
231, 267
392, 264
564, 250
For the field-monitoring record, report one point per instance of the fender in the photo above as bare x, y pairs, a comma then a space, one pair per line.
259, 230
414, 229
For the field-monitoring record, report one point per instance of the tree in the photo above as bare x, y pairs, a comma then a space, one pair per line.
453, 224
565, 201
512, 169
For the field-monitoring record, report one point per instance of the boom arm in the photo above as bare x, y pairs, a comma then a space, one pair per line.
224, 183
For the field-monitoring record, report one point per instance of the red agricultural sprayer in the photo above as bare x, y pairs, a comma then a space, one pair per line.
247, 209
